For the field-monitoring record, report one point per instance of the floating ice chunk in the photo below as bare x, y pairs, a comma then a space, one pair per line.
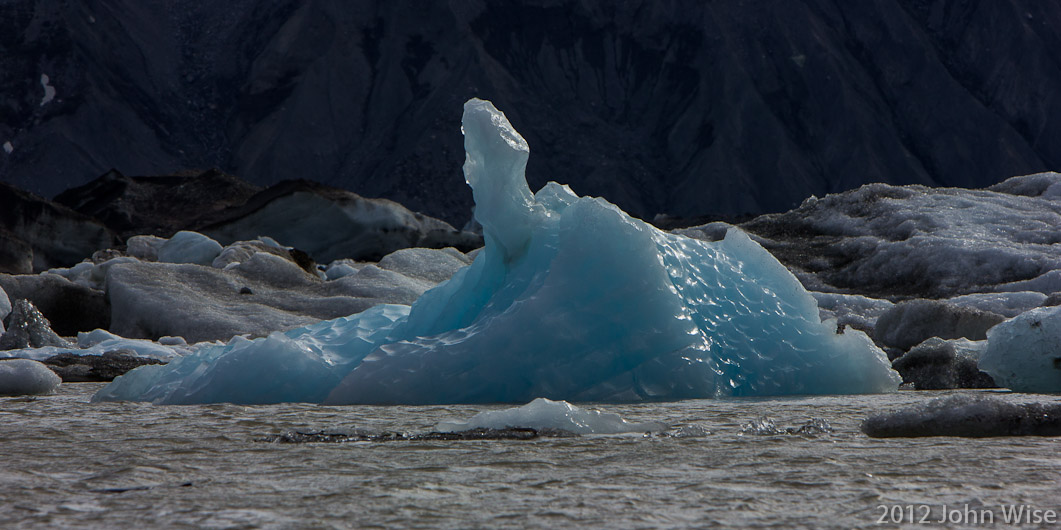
764, 426
547, 414
86, 339
19, 377
189, 247
8, 148
938, 364
974, 416
1024, 353
573, 299
172, 341
570, 299
100, 341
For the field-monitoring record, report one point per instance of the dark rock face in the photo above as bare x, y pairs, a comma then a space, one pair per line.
157, 206
27, 328
16, 256
95, 368
37, 234
685, 108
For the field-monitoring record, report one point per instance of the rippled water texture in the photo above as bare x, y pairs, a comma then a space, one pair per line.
70, 463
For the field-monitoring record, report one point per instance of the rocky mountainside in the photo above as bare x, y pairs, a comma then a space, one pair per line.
682, 107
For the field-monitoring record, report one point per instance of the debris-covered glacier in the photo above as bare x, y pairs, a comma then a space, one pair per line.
570, 299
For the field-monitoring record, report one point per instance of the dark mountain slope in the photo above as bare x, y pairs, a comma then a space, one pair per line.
684, 107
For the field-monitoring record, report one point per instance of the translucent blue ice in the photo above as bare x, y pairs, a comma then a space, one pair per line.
570, 299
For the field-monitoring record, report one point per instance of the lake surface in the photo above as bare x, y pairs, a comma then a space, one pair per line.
68, 463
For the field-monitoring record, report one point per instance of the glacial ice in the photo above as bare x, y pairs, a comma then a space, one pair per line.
100, 341
548, 414
910, 323
1024, 353
884, 241
189, 247
570, 299
938, 364
27, 328
19, 377
974, 416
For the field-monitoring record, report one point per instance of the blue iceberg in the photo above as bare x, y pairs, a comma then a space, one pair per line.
571, 299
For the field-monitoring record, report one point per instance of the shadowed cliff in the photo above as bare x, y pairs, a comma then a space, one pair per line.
679, 107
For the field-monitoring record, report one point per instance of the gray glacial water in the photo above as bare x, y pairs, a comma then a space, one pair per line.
68, 463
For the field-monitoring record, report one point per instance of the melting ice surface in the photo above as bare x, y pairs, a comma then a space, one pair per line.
548, 414
570, 299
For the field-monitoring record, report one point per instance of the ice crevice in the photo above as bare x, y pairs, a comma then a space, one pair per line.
571, 299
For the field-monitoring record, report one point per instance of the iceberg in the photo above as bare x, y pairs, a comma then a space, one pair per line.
972, 416
1023, 353
570, 299
19, 377
543, 414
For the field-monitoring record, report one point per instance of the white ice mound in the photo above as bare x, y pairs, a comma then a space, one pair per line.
570, 299
1024, 353
547, 414
19, 377
189, 247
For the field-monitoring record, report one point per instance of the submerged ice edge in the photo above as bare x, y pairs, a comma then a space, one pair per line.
570, 299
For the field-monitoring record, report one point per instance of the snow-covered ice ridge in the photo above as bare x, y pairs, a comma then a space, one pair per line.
570, 299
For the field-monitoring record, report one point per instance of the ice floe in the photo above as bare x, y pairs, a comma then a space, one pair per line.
547, 414
26, 377
967, 415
